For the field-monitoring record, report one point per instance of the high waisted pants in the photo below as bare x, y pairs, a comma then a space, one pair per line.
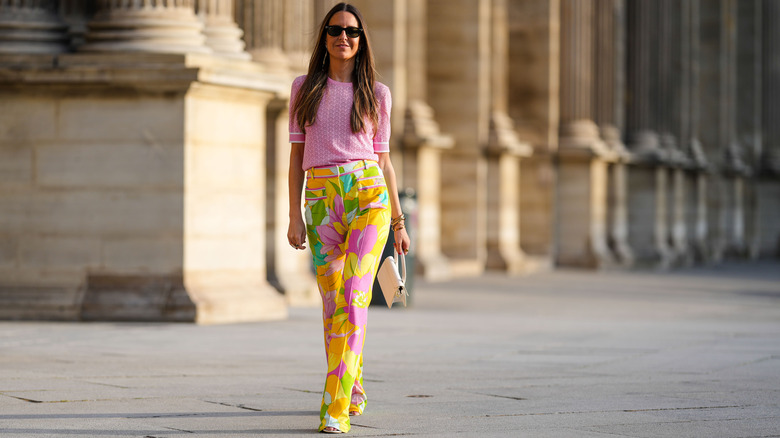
347, 222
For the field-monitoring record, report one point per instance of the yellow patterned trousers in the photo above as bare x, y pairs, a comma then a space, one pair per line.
347, 223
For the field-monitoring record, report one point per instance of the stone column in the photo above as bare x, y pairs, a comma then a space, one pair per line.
223, 36
533, 103
677, 214
458, 66
263, 23
297, 45
424, 145
670, 110
690, 137
31, 26
768, 189
278, 33
164, 26
609, 70
696, 214
642, 65
718, 80
504, 153
685, 169
583, 156
736, 168
711, 77
749, 99
770, 71
647, 185
577, 51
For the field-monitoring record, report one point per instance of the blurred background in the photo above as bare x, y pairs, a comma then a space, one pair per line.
144, 146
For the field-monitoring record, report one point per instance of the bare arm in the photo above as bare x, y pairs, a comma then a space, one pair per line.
296, 231
402, 241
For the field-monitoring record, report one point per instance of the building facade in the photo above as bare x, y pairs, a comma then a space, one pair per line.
144, 153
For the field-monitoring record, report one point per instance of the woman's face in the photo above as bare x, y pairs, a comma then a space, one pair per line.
341, 46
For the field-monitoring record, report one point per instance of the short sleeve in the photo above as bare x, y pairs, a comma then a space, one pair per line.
296, 133
385, 101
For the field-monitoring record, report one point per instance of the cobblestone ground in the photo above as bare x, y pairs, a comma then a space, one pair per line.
691, 353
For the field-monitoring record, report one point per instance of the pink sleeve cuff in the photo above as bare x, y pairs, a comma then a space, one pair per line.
297, 137
381, 147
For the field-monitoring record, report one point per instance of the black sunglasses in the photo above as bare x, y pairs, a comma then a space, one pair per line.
352, 32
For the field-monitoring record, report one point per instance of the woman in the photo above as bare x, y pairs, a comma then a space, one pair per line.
339, 135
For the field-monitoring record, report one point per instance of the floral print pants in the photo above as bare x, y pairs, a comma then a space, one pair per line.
347, 223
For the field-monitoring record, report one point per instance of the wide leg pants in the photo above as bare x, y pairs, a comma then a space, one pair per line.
347, 223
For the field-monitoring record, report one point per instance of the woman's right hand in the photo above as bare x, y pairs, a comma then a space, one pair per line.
296, 233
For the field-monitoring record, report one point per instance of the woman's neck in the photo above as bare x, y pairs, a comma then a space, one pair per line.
340, 70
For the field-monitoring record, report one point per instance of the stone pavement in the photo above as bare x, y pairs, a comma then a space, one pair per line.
691, 353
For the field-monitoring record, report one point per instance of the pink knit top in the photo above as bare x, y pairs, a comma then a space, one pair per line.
329, 141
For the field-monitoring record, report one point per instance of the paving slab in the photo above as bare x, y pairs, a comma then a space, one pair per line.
690, 353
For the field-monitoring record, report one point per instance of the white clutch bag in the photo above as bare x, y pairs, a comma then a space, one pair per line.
392, 281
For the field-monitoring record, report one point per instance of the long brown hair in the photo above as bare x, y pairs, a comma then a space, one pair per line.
310, 94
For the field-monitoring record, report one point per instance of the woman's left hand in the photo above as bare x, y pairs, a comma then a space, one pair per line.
402, 242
